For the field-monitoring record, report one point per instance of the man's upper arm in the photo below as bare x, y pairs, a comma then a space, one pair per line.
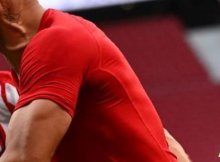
35, 131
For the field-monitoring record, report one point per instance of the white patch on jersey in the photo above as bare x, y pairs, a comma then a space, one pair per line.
4, 112
205, 43
11, 94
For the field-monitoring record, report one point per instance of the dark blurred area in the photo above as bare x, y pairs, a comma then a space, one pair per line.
192, 13
197, 12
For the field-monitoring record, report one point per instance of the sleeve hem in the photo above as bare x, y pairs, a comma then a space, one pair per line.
25, 101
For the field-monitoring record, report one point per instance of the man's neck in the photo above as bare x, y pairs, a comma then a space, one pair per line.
19, 23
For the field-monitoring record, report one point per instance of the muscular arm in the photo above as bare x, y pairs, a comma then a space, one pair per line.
35, 131
176, 148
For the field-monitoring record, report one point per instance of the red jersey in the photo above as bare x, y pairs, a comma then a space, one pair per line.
71, 62
8, 99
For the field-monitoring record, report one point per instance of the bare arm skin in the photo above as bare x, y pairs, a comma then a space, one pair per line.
35, 131
176, 148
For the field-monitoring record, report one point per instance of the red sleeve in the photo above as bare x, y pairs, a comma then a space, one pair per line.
53, 67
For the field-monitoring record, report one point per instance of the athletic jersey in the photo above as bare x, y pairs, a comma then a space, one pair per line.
72, 63
8, 99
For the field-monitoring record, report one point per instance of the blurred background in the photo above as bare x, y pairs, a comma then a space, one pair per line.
174, 47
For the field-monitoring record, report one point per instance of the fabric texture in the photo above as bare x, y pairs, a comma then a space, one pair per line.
72, 63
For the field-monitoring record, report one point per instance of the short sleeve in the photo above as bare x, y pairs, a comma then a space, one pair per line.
53, 67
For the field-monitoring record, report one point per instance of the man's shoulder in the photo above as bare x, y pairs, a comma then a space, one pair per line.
64, 34
56, 23
54, 20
